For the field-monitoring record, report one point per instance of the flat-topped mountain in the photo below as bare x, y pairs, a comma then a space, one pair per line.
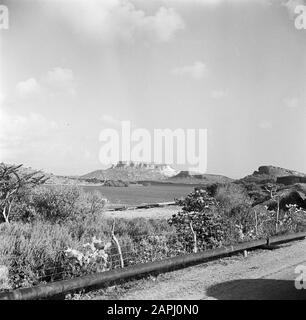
133, 171
141, 171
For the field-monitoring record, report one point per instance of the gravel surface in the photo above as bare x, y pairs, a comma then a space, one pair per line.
263, 274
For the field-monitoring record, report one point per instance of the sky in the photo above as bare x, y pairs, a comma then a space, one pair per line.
69, 69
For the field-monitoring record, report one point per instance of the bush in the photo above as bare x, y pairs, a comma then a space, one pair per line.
56, 204
201, 214
36, 252
157, 247
291, 220
33, 252
93, 257
232, 197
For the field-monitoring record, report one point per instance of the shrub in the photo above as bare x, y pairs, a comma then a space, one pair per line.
33, 252
92, 257
13, 182
233, 197
157, 247
201, 216
36, 252
292, 220
56, 204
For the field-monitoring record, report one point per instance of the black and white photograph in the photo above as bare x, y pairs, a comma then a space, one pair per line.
152, 153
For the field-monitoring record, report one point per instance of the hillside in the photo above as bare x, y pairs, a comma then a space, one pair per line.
195, 178
133, 171
266, 174
277, 172
54, 179
290, 185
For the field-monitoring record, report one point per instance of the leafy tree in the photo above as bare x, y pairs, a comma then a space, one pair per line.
12, 183
199, 224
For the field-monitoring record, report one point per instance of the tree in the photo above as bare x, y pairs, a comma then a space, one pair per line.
272, 190
199, 224
12, 182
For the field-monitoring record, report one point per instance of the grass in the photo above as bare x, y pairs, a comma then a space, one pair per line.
35, 252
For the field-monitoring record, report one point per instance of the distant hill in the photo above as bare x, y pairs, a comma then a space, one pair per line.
277, 172
52, 178
266, 174
195, 178
290, 184
139, 171
133, 171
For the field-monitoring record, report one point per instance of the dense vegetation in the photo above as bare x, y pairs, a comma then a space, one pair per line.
50, 232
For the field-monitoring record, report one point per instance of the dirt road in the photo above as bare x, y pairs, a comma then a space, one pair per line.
264, 274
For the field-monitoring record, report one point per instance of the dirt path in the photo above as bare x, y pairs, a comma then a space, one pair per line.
152, 213
262, 275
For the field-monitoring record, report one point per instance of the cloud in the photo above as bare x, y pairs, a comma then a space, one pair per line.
28, 88
33, 139
291, 5
219, 94
265, 124
18, 133
164, 24
62, 79
292, 102
110, 120
196, 71
58, 80
113, 20
60, 75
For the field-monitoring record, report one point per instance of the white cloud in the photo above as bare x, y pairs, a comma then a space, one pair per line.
28, 88
265, 124
58, 80
18, 133
112, 20
197, 70
60, 75
219, 94
62, 79
110, 120
292, 102
164, 24
34, 140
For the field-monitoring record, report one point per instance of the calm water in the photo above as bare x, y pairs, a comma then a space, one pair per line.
135, 195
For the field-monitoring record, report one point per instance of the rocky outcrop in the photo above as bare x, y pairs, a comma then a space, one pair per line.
272, 174
195, 178
277, 172
163, 168
289, 180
